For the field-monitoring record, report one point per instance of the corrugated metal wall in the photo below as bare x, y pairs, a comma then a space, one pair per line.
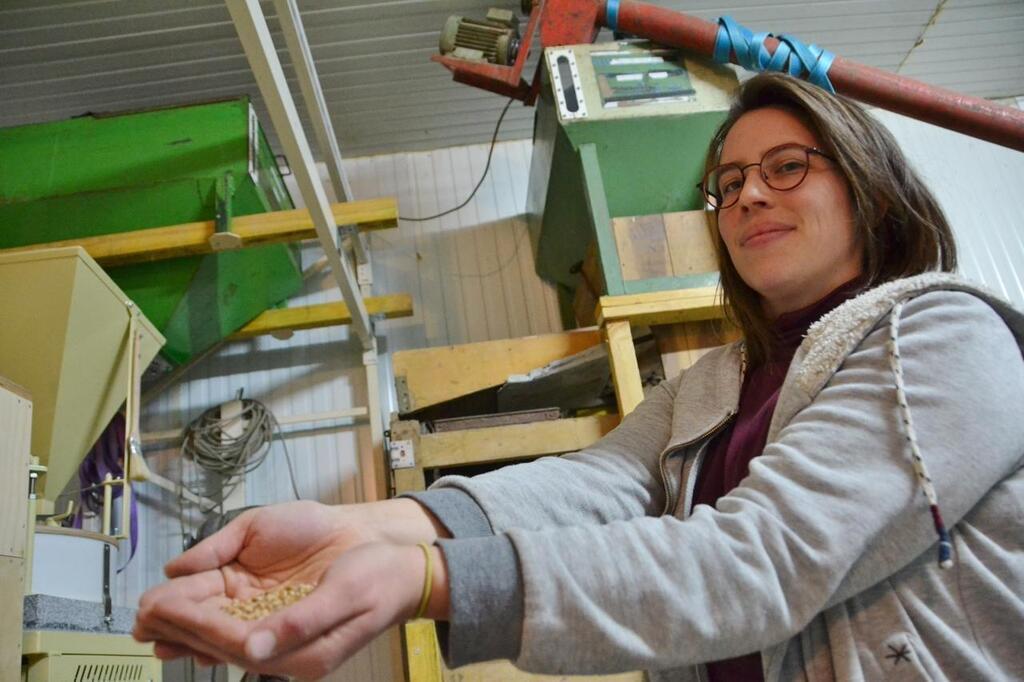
471, 276
978, 185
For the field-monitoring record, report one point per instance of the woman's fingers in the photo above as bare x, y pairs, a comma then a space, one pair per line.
364, 591
197, 587
158, 629
333, 602
325, 653
207, 626
167, 651
215, 551
355, 584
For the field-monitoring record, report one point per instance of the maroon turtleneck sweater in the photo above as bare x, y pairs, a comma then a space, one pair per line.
729, 454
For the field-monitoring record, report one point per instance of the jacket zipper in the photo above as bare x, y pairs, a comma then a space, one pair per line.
691, 483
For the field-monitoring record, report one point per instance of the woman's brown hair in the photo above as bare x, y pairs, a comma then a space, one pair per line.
900, 226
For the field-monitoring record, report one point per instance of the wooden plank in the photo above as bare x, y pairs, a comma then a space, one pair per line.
690, 248
629, 392
642, 246
16, 427
321, 315
12, 592
435, 375
422, 654
193, 239
662, 307
682, 344
514, 441
649, 286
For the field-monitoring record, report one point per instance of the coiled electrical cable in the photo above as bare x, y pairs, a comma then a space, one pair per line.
210, 442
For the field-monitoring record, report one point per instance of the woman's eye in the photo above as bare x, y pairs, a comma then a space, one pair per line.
788, 167
730, 186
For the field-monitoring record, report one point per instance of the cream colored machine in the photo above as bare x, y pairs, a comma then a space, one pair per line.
77, 346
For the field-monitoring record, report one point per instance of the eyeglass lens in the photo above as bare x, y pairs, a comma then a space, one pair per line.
782, 168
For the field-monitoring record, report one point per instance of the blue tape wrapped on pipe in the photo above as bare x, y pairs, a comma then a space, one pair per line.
791, 55
611, 14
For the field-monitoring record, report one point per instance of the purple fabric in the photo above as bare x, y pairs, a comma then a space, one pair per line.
728, 457
104, 458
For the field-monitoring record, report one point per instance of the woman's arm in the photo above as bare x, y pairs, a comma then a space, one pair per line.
828, 510
616, 478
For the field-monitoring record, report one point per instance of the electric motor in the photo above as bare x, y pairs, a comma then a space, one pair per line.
494, 39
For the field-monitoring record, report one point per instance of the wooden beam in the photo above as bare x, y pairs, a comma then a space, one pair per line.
515, 441
662, 307
429, 376
322, 315
629, 391
193, 239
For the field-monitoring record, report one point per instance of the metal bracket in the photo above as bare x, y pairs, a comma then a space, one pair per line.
108, 610
402, 454
364, 274
223, 239
349, 231
402, 392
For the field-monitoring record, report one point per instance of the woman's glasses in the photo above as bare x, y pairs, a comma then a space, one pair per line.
782, 168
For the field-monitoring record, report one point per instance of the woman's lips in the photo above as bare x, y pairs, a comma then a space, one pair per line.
766, 235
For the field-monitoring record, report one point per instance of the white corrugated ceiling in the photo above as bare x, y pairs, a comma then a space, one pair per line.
61, 58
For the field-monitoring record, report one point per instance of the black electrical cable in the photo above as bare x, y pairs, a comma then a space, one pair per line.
487, 167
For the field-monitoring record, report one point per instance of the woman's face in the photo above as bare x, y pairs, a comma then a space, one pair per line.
791, 247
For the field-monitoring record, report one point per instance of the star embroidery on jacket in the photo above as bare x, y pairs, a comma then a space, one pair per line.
900, 654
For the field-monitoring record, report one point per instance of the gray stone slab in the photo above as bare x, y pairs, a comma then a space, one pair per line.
46, 612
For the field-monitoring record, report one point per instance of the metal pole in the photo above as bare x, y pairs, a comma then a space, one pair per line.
259, 49
962, 113
313, 97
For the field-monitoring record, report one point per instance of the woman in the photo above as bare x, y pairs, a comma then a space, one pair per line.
774, 512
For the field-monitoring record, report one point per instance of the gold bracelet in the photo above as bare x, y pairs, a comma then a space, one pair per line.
428, 581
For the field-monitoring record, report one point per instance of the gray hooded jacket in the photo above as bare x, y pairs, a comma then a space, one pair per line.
595, 562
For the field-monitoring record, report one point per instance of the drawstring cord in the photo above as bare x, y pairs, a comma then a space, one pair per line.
945, 544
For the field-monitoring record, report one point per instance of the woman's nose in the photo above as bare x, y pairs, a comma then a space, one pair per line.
754, 189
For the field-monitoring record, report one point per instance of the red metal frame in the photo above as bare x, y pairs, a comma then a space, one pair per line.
574, 22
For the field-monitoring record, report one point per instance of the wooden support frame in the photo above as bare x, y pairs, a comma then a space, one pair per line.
662, 307
511, 441
278, 320
429, 376
617, 316
629, 392
193, 239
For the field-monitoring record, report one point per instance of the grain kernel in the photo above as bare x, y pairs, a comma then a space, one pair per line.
262, 605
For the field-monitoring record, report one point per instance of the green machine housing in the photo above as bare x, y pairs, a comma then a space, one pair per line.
621, 130
106, 174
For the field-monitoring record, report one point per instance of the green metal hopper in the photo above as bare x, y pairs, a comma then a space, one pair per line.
105, 174
621, 130
64, 337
